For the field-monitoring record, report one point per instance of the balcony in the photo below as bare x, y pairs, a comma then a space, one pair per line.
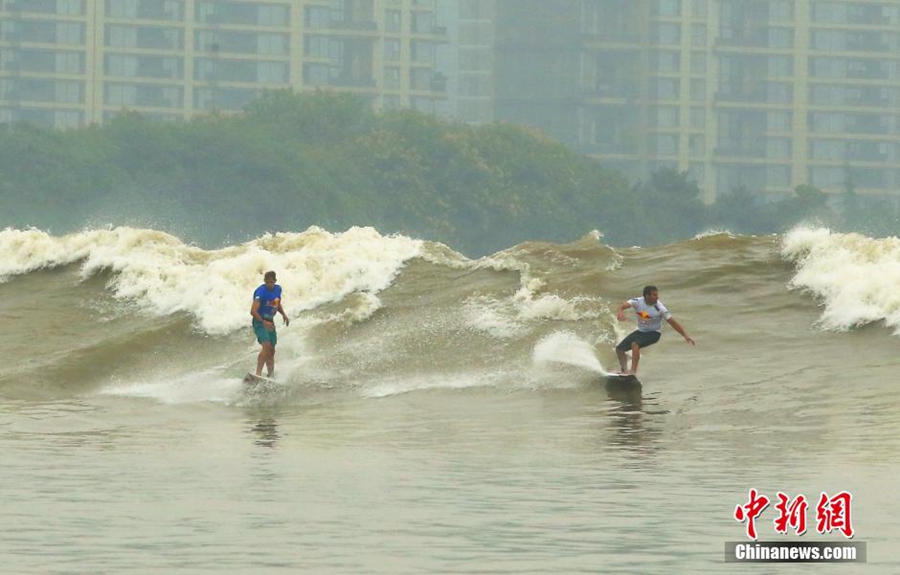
740, 150
867, 43
867, 73
753, 96
361, 25
744, 39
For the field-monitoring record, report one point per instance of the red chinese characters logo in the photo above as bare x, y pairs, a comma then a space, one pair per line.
751, 511
832, 513
791, 513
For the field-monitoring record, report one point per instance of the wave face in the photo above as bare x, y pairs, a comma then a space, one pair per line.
138, 312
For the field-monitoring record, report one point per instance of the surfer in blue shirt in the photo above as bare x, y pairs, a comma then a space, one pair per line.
650, 313
266, 302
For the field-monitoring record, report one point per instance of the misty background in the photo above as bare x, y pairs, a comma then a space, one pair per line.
479, 123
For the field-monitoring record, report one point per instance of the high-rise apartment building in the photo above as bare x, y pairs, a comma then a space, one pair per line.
765, 94
67, 63
474, 51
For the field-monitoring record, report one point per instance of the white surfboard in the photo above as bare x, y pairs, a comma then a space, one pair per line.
253, 379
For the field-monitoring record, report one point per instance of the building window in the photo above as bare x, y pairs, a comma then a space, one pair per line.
68, 33
121, 8
120, 95
392, 50
666, 89
667, 117
698, 8
272, 44
698, 63
828, 40
669, 8
698, 35
318, 17
422, 51
777, 93
698, 90
74, 7
68, 92
121, 37
664, 144
68, 63
827, 122
668, 62
781, 38
698, 118
316, 46
781, 10
668, 34
121, 66
828, 177
272, 72
780, 66
422, 22
827, 150
778, 121
778, 148
392, 20
274, 15
392, 78
317, 74
697, 145
420, 79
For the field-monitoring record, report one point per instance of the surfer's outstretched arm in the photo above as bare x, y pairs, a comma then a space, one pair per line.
620, 313
680, 330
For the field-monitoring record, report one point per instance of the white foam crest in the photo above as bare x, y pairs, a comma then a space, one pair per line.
554, 307
163, 275
566, 347
854, 276
23, 251
713, 233
496, 318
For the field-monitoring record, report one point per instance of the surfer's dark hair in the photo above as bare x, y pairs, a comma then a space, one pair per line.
649, 289
270, 274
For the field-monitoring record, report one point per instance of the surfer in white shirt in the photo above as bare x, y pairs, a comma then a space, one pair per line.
650, 313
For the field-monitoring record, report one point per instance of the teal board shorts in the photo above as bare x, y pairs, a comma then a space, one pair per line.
263, 335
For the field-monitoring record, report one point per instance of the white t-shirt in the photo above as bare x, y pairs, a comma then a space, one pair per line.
649, 316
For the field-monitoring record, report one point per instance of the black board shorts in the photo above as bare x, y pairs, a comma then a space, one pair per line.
643, 339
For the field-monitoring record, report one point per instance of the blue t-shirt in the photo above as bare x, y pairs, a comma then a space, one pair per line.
268, 300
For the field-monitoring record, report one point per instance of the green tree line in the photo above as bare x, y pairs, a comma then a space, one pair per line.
294, 160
